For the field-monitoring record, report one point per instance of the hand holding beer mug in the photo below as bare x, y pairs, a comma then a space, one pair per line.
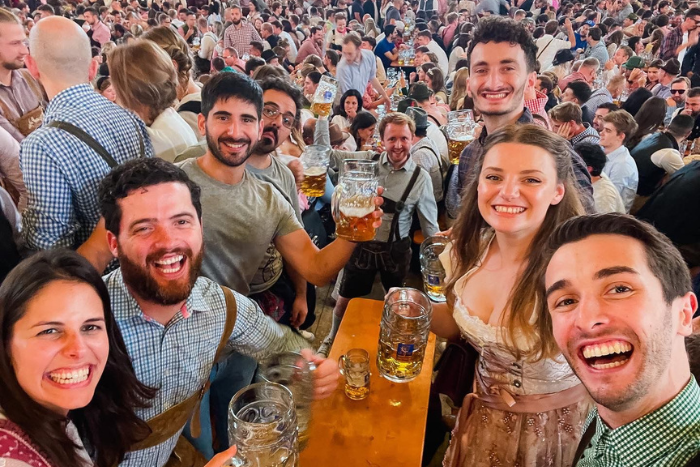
324, 96
354, 201
354, 365
431, 267
315, 161
460, 132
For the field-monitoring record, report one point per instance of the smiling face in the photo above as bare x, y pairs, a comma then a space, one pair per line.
611, 321
59, 347
498, 78
517, 184
13, 46
397, 140
160, 244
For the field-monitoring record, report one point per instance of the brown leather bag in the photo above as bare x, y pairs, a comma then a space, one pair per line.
165, 425
32, 119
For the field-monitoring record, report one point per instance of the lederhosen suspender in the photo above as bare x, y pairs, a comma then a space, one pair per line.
585, 441
83, 136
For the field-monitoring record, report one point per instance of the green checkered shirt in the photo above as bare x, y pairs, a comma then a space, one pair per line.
668, 436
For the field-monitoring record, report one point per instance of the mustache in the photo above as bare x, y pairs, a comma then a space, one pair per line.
234, 141
273, 130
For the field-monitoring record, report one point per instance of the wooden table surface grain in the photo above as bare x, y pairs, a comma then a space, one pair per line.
384, 430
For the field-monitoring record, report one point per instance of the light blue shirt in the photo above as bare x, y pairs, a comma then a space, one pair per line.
622, 171
597, 51
356, 75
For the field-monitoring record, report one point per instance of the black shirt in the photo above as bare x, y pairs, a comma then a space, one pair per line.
357, 8
650, 175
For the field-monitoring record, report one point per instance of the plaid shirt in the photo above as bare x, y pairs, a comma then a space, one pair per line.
473, 152
62, 173
671, 42
668, 436
177, 358
240, 37
589, 135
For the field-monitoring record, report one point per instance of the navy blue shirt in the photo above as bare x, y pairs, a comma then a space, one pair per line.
383, 47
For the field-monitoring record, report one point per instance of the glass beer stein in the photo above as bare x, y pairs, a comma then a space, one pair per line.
460, 132
431, 267
262, 423
354, 366
324, 96
403, 335
353, 200
294, 372
315, 159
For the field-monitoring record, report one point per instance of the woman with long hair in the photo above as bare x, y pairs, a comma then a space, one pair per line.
528, 407
635, 100
649, 119
459, 88
459, 50
436, 82
362, 130
371, 29
350, 105
612, 43
66, 380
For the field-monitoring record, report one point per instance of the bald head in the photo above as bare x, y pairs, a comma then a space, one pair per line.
60, 52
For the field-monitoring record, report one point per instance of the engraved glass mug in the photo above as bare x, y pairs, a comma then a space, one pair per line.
263, 426
315, 160
324, 96
403, 334
460, 132
431, 267
353, 200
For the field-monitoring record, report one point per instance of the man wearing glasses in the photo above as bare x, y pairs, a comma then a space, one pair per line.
676, 103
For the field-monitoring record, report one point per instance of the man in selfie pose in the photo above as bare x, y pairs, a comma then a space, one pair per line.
620, 307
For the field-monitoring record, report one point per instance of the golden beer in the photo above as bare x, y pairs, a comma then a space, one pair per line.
399, 361
456, 145
314, 183
355, 223
322, 109
354, 365
434, 291
357, 393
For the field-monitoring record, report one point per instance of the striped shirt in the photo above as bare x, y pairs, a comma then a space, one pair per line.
666, 437
62, 173
177, 358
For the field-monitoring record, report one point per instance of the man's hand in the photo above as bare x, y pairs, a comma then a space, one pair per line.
609, 65
326, 374
378, 213
564, 130
297, 170
300, 309
567, 24
222, 459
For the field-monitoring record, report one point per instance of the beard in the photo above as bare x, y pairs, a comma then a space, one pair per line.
266, 144
143, 284
236, 22
228, 160
13, 65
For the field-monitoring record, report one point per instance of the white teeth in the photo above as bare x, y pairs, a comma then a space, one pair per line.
70, 377
496, 96
509, 210
605, 366
609, 348
173, 260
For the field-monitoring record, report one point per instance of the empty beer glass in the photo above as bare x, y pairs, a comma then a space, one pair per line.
315, 159
353, 201
324, 96
294, 372
460, 132
354, 366
403, 335
263, 425
431, 267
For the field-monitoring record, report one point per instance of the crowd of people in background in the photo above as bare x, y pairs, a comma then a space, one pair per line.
155, 243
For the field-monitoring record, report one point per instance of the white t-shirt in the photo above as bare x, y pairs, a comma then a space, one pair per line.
547, 47
170, 135
443, 62
606, 197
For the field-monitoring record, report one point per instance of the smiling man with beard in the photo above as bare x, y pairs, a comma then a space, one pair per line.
176, 324
619, 303
502, 58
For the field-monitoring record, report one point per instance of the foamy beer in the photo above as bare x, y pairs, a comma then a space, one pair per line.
403, 335
460, 132
323, 97
315, 159
354, 201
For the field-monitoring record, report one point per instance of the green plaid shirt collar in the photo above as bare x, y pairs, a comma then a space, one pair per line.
669, 436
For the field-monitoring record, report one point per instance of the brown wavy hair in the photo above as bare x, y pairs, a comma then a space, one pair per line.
175, 46
471, 230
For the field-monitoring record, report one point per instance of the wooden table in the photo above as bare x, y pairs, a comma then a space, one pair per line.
384, 430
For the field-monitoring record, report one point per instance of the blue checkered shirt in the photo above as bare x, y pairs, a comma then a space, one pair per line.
62, 173
177, 358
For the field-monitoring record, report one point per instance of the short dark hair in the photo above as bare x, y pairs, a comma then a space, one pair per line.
370, 40
333, 56
593, 155
610, 106
257, 45
595, 33
285, 86
582, 91
139, 173
664, 259
253, 64
692, 12
388, 30
694, 92
314, 76
681, 124
546, 83
225, 85
499, 29
91, 10
425, 34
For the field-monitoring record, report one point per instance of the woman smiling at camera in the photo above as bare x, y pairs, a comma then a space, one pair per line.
528, 407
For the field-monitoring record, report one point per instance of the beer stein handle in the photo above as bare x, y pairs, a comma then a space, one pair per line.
335, 203
341, 364
237, 461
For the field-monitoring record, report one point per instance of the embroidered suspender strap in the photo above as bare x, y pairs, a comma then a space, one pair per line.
394, 232
85, 138
585, 441
167, 424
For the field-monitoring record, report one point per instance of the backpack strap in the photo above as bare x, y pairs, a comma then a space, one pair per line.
585, 441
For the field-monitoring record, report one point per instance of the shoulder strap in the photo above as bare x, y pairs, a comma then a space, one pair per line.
191, 106
545, 48
6, 113
85, 138
394, 233
33, 85
585, 441
167, 424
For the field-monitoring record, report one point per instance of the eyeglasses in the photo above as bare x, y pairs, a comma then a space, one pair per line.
288, 118
677, 91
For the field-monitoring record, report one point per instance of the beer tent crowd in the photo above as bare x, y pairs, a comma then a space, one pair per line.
156, 243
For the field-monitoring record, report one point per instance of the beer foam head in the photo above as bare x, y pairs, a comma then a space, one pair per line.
356, 211
314, 171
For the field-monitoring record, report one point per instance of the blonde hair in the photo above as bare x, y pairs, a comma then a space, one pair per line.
459, 87
7, 17
178, 50
471, 229
143, 77
397, 118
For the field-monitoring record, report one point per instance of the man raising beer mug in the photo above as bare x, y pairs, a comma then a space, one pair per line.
407, 189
